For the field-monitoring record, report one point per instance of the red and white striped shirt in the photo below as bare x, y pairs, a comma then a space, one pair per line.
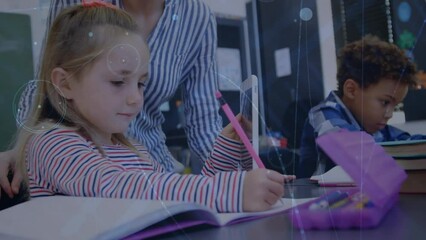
61, 161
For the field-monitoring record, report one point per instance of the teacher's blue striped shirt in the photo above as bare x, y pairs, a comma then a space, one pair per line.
183, 53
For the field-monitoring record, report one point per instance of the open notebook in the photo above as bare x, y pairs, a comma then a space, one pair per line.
62, 217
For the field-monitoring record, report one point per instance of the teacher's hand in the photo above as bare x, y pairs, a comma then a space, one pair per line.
7, 163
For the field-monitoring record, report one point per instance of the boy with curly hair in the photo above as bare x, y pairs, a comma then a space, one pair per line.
373, 76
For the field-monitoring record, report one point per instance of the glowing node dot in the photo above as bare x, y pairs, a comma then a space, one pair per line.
123, 60
39, 106
126, 33
305, 14
42, 127
35, 43
175, 17
90, 34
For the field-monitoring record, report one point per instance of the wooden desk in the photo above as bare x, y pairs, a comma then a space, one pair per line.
405, 221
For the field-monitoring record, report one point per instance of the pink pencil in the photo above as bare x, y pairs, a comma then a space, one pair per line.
239, 129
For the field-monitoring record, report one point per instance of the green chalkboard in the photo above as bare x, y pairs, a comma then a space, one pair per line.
16, 69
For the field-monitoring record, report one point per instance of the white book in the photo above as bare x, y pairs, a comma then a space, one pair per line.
63, 217
335, 177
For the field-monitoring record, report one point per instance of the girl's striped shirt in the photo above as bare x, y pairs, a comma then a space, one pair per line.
61, 161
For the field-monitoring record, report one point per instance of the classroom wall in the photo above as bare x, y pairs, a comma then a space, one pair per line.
16, 69
325, 21
37, 10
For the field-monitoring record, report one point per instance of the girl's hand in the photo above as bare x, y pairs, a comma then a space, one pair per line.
229, 130
262, 189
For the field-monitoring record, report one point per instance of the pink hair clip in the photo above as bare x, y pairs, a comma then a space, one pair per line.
96, 3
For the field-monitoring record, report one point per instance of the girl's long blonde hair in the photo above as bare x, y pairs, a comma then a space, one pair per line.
77, 37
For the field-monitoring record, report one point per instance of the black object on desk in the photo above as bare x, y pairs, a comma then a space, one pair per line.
304, 188
413, 103
282, 160
22, 196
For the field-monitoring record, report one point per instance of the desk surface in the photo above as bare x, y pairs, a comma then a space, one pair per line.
405, 221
